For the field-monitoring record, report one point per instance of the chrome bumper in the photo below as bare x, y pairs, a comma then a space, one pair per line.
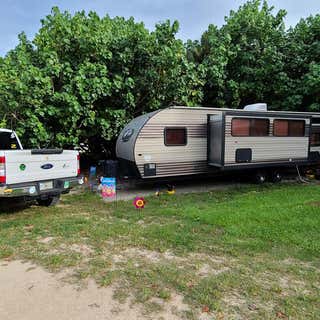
32, 189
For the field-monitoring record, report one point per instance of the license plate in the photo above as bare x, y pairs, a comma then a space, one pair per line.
46, 185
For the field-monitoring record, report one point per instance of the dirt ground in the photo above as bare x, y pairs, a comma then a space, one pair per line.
130, 191
28, 292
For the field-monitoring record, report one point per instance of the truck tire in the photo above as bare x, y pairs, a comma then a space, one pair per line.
49, 202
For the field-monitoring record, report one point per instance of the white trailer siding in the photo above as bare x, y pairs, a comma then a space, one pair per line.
269, 148
174, 160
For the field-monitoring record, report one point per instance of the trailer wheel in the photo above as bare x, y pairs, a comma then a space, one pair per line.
276, 177
260, 177
49, 202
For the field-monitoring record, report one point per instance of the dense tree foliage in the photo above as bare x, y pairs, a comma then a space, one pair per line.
252, 58
302, 56
243, 59
83, 77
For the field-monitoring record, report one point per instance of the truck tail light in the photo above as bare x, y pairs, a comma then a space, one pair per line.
2, 169
78, 164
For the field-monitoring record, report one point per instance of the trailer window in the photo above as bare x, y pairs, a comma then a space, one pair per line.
288, 128
280, 128
240, 127
249, 127
175, 136
315, 139
8, 141
259, 127
296, 128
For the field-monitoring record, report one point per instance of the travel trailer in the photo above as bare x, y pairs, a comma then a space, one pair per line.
183, 141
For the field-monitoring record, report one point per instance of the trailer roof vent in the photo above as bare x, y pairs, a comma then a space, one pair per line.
256, 107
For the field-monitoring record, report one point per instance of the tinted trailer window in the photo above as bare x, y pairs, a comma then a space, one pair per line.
8, 141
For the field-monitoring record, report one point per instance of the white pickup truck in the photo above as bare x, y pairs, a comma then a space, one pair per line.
40, 175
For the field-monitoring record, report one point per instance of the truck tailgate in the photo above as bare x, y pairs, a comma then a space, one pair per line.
25, 166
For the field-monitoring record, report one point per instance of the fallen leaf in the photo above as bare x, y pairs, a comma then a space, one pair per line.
28, 227
205, 309
252, 307
220, 316
281, 315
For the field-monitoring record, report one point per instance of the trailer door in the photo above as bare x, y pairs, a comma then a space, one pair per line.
216, 135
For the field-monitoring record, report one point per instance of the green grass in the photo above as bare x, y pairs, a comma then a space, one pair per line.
250, 252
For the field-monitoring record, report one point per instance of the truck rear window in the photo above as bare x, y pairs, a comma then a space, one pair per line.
8, 141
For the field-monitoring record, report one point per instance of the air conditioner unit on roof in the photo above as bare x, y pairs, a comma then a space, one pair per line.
256, 107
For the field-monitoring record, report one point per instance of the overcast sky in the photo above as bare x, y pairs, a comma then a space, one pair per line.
194, 15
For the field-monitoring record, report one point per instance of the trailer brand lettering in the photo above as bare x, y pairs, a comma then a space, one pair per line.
127, 135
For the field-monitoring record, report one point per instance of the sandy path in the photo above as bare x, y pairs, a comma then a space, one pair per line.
28, 292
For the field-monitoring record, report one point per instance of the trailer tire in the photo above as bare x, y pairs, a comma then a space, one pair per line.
275, 177
49, 202
260, 177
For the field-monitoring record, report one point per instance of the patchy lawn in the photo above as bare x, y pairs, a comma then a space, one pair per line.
244, 253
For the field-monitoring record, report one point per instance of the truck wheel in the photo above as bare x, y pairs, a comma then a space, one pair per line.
49, 202
275, 177
260, 177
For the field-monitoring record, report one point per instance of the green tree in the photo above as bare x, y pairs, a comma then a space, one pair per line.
22, 88
302, 56
243, 60
83, 77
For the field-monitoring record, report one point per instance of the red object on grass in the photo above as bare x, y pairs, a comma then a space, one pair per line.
139, 202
